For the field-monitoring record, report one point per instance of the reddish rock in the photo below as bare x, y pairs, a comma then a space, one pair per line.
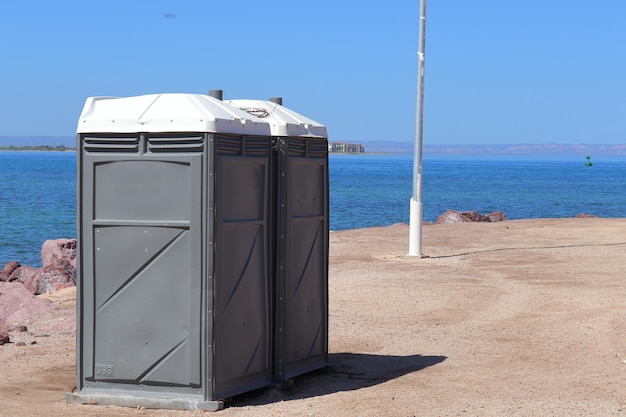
60, 274
474, 216
22, 273
53, 250
8, 270
453, 216
496, 216
585, 216
17, 304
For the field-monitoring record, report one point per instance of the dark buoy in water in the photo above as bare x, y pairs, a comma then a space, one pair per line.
588, 163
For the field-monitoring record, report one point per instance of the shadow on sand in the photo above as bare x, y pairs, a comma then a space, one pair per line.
455, 255
352, 371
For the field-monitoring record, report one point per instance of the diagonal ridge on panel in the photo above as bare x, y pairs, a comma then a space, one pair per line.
132, 251
243, 270
253, 356
150, 374
308, 260
315, 339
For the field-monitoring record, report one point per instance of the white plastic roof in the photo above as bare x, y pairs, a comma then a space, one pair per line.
167, 113
282, 121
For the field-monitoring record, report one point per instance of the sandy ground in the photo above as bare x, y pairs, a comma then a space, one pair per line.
518, 318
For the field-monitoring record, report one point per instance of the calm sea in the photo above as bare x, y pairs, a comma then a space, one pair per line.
38, 192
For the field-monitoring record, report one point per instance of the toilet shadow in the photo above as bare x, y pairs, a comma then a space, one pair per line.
349, 372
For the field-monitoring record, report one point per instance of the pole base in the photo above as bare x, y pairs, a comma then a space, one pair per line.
415, 228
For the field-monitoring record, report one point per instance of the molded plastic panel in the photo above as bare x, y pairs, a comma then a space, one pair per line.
142, 323
302, 346
306, 298
242, 313
141, 273
150, 189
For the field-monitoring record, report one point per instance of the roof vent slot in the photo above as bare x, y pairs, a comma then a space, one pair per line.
175, 144
117, 144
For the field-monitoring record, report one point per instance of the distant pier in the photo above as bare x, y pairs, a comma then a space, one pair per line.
342, 147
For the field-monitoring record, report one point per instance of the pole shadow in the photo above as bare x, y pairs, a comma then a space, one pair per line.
350, 371
455, 255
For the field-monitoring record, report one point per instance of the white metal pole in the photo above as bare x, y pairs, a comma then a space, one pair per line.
416, 207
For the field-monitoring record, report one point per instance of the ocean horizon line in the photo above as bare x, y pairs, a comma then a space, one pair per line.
399, 147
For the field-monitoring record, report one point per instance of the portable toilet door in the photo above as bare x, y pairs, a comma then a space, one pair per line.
300, 274
173, 302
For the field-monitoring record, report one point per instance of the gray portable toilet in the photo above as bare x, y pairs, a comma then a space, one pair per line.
174, 296
300, 277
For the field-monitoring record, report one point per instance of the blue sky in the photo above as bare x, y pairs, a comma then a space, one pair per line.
537, 71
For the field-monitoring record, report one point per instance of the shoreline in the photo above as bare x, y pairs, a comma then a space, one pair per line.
429, 224
399, 224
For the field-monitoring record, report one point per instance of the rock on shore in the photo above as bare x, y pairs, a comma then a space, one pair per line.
453, 216
58, 259
19, 284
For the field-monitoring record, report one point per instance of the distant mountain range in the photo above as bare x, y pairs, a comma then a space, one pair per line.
546, 149
388, 146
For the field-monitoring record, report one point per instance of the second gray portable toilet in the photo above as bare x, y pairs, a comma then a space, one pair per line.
174, 296
300, 277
